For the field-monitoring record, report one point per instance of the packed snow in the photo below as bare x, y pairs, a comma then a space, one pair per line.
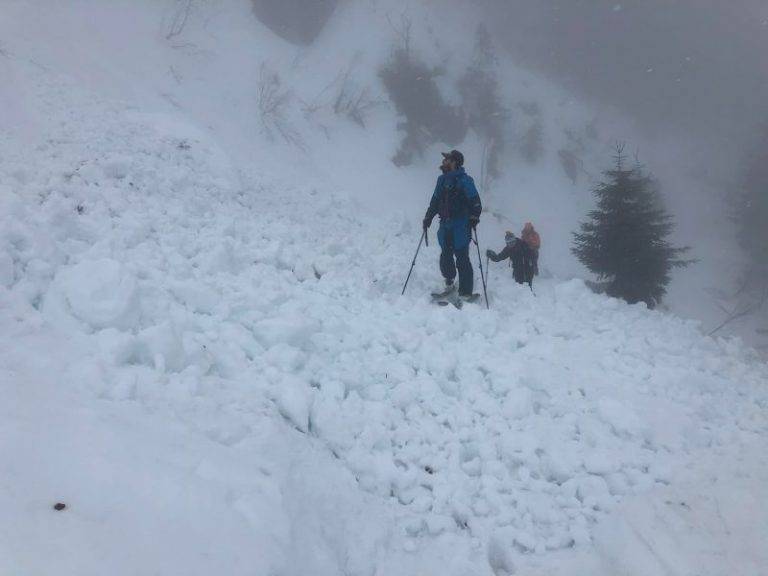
211, 364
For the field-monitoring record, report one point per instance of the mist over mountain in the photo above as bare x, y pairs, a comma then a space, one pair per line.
693, 65
230, 337
692, 77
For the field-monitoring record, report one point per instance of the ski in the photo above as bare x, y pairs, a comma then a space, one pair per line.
444, 294
457, 301
471, 299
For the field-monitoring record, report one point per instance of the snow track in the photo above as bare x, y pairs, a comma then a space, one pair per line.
310, 410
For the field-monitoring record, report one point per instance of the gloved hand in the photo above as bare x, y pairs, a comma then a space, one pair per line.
490, 253
426, 223
474, 221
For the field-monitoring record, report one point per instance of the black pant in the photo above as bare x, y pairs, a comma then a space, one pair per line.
448, 267
523, 263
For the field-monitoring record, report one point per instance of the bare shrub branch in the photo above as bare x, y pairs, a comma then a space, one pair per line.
741, 311
403, 31
272, 102
180, 18
353, 102
350, 100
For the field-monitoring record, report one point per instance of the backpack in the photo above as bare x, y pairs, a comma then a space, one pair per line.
451, 199
522, 263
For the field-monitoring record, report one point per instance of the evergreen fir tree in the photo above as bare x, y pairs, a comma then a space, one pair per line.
625, 241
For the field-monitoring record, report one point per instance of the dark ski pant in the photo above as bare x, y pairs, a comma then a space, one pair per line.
448, 267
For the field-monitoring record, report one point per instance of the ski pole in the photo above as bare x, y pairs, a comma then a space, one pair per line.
423, 237
482, 275
530, 270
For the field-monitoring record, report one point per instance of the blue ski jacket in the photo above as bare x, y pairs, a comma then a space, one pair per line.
455, 199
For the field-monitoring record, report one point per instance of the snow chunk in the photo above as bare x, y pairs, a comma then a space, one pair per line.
294, 330
601, 463
161, 346
294, 401
6, 269
621, 418
102, 293
518, 403
196, 296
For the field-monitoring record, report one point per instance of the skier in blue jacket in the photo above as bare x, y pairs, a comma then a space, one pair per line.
457, 202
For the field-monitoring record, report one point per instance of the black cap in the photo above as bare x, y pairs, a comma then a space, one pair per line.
456, 156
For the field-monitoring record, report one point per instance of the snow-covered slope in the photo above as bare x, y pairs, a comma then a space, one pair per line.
213, 70
204, 354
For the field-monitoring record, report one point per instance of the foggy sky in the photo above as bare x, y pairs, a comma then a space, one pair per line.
699, 67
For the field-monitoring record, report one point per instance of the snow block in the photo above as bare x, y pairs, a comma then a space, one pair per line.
101, 293
161, 347
294, 400
6, 269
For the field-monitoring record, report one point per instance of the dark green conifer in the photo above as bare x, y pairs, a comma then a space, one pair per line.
625, 240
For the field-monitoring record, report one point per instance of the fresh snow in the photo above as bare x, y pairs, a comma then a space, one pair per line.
211, 365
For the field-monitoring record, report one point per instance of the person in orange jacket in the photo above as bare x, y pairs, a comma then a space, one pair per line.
532, 238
